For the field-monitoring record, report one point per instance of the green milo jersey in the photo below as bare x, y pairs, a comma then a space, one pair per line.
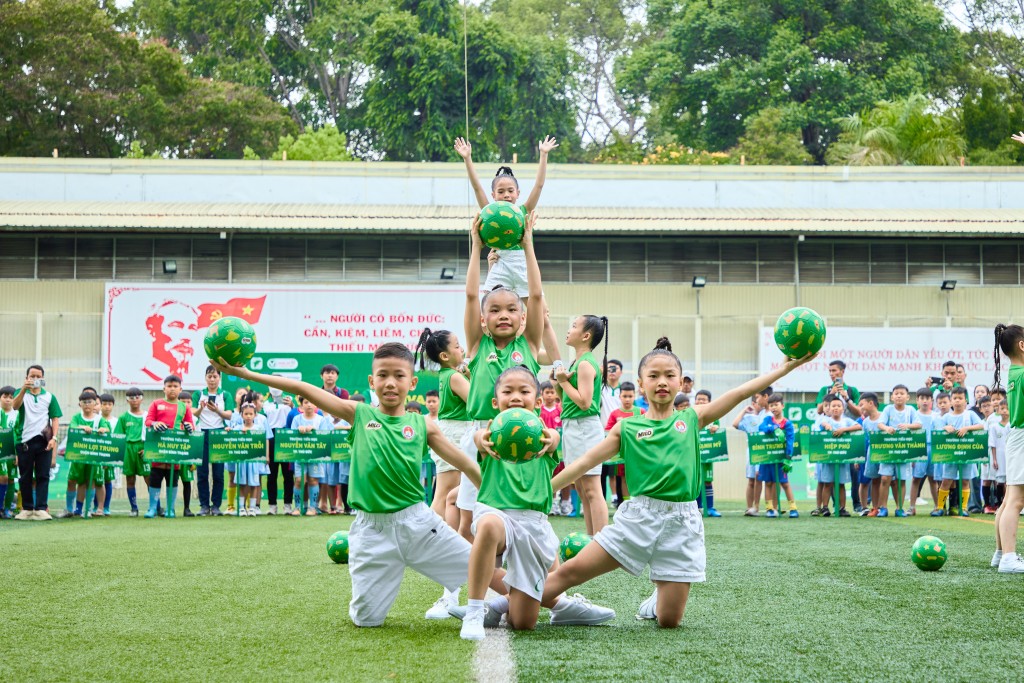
452, 407
96, 422
661, 456
131, 426
572, 411
1015, 395
488, 363
517, 486
386, 455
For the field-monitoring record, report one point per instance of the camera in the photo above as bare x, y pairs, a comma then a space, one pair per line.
39, 383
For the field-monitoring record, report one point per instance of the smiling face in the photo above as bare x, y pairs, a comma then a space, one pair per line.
502, 315
660, 380
516, 390
392, 380
505, 190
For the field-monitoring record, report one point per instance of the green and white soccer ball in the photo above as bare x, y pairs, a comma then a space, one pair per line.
502, 225
572, 545
799, 331
929, 553
516, 435
337, 547
232, 340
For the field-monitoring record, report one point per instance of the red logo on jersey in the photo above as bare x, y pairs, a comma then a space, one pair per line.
408, 432
680, 426
517, 357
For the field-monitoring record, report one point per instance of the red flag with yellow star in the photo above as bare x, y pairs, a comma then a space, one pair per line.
248, 310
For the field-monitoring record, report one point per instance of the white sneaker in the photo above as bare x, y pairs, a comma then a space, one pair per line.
566, 506
25, 514
1011, 564
555, 508
255, 512
440, 608
996, 557
287, 509
492, 618
647, 607
921, 502
473, 626
41, 516
578, 611
272, 510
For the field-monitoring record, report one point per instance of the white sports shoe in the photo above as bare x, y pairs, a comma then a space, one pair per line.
41, 516
492, 618
996, 557
443, 604
578, 611
1011, 564
647, 607
25, 515
272, 510
556, 509
566, 506
255, 512
473, 626
287, 509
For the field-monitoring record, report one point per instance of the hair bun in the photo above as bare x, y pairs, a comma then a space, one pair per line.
663, 343
504, 170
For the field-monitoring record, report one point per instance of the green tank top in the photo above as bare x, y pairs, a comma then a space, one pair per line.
451, 407
386, 455
485, 367
517, 486
1015, 395
570, 410
131, 426
661, 456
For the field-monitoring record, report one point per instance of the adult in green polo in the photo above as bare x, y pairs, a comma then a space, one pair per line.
838, 386
35, 438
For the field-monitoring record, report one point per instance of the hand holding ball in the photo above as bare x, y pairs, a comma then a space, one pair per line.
516, 434
799, 331
232, 340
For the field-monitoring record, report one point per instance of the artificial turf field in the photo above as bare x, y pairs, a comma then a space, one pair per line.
224, 599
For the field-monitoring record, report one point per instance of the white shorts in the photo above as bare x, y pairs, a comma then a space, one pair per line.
668, 537
382, 545
579, 435
1015, 457
467, 490
453, 430
509, 271
531, 547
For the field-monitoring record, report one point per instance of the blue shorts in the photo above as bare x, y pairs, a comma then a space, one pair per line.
826, 473
890, 469
958, 471
312, 469
331, 475
767, 473
751, 471
343, 469
923, 469
869, 471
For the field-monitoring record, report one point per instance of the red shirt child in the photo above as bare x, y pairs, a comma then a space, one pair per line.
169, 412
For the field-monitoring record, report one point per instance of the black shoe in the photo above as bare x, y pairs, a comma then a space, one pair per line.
843, 512
825, 512
216, 512
204, 511
188, 513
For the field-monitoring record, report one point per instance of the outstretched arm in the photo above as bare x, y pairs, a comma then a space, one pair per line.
709, 412
325, 400
465, 150
535, 303
546, 145
595, 456
472, 315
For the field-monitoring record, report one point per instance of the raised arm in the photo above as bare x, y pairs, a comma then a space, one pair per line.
709, 412
472, 316
535, 304
452, 454
465, 150
546, 145
595, 456
459, 385
325, 400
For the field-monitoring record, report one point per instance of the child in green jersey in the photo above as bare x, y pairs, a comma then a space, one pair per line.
660, 526
131, 425
510, 525
107, 413
496, 339
1010, 341
84, 476
580, 388
394, 529
8, 468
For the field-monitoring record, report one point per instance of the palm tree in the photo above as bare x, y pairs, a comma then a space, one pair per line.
901, 133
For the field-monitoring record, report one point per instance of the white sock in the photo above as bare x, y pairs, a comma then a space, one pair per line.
452, 596
999, 553
1009, 556
474, 606
499, 604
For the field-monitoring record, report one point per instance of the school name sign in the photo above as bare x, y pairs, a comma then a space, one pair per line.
878, 357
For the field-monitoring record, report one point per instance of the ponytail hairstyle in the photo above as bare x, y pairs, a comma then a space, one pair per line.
663, 347
431, 345
1008, 338
598, 329
503, 172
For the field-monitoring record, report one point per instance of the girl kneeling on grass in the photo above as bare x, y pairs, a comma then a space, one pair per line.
660, 526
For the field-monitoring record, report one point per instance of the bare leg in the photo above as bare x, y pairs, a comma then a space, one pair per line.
757, 495
592, 561
1013, 503
883, 491
595, 508
489, 543
522, 611
446, 481
671, 602
451, 511
466, 524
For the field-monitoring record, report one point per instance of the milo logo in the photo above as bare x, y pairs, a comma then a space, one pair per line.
373, 424
493, 358
408, 432
517, 357
680, 426
644, 433
247, 340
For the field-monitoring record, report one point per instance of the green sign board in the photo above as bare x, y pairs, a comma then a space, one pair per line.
713, 447
228, 446
822, 447
341, 449
900, 447
766, 449
90, 448
7, 451
951, 449
291, 445
173, 447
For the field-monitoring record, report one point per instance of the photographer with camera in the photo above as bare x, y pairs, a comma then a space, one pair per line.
35, 434
838, 386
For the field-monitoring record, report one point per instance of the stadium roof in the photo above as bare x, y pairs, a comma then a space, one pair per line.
85, 216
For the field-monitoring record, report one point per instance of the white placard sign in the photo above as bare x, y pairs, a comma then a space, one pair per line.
879, 357
151, 330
